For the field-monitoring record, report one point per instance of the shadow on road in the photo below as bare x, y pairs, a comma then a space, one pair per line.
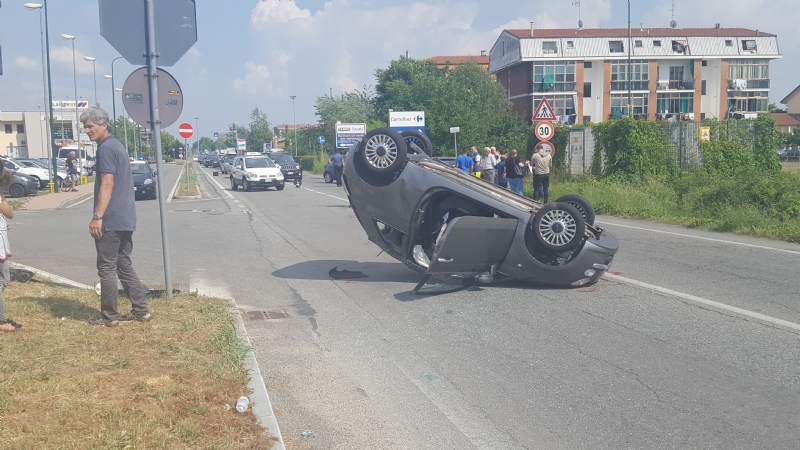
376, 272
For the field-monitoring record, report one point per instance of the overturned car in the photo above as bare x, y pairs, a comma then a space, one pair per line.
459, 230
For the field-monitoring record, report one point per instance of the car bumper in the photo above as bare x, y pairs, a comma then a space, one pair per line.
293, 175
144, 189
265, 182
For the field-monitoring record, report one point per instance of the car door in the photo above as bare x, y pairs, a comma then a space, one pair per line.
237, 170
467, 247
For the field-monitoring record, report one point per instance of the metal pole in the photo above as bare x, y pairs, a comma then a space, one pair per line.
94, 77
125, 125
628, 76
186, 162
50, 98
114, 94
152, 77
455, 143
77, 116
47, 146
294, 117
197, 130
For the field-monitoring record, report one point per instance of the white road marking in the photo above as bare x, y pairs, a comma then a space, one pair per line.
221, 187
82, 201
337, 198
174, 188
694, 298
763, 247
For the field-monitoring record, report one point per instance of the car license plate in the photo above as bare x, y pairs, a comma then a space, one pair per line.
289, 173
134, 189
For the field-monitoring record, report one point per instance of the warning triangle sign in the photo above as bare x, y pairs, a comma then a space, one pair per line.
544, 112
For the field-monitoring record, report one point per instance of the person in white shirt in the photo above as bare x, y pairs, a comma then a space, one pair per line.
488, 171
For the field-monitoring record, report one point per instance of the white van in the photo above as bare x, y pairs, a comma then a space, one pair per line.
86, 162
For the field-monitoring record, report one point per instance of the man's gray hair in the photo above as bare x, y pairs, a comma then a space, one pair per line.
97, 115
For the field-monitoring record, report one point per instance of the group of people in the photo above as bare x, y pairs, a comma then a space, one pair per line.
112, 226
508, 170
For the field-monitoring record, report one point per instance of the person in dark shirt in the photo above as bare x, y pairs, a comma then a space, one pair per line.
337, 161
502, 181
514, 180
113, 224
71, 164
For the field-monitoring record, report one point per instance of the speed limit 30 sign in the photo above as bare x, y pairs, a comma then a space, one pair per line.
544, 131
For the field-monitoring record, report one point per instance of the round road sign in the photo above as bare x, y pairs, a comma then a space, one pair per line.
549, 148
185, 130
544, 131
136, 98
321, 139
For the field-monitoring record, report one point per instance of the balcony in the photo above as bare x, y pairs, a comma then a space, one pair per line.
635, 85
674, 85
552, 87
738, 85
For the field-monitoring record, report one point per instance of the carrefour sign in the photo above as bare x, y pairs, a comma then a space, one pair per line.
407, 120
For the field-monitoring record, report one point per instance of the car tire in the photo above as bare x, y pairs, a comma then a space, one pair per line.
280, 186
234, 186
383, 151
328, 177
417, 142
246, 185
16, 190
559, 227
581, 204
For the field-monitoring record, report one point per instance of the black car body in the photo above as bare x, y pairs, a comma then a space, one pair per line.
21, 185
144, 180
459, 230
212, 161
290, 168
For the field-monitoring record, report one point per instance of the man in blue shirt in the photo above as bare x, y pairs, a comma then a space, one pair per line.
464, 162
337, 161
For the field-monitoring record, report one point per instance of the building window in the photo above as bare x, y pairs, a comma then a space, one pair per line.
679, 46
703, 87
656, 43
587, 64
728, 43
619, 104
587, 90
549, 47
748, 69
637, 43
749, 45
563, 105
675, 103
570, 44
9, 128
750, 102
587, 119
62, 131
616, 47
639, 75
549, 76
21, 128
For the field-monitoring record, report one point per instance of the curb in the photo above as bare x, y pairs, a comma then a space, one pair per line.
52, 277
74, 200
262, 407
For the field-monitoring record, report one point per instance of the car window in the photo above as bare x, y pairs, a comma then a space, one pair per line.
9, 165
282, 158
140, 168
252, 163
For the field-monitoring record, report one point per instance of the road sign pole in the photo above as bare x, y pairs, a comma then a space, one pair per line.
152, 78
186, 162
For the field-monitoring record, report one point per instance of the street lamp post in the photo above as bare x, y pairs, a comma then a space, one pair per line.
77, 136
628, 76
94, 75
113, 94
34, 7
125, 125
197, 130
294, 117
50, 97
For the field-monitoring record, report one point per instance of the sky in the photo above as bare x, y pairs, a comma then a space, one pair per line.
258, 53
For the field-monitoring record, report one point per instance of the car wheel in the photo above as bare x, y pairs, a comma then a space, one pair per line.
280, 186
16, 190
246, 185
383, 150
328, 177
234, 186
417, 142
559, 226
581, 204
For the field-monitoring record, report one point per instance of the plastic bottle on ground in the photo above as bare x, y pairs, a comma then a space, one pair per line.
242, 404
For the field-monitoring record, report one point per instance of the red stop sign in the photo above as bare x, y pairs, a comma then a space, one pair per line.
185, 130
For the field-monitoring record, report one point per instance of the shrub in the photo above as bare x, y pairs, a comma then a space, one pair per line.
634, 148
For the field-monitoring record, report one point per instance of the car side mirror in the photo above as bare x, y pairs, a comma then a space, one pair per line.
155, 173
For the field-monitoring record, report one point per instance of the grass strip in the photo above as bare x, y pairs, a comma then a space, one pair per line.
191, 190
170, 383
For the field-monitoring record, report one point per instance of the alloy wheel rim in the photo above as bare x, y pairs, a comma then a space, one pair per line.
380, 151
558, 227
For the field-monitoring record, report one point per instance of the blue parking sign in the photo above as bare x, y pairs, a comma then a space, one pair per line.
321, 140
216, 134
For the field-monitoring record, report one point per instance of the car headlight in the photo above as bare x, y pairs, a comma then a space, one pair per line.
280, 175
250, 175
148, 181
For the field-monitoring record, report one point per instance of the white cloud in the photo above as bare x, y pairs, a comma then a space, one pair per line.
62, 56
255, 80
26, 63
277, 11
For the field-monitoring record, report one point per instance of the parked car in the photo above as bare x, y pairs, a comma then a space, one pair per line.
290, 168
226, 163
328, 173
459, 230
42, 175
212, 161
255, 172
21, 185
31, 162
144, 180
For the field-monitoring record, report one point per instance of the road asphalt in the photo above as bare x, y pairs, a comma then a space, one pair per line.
676, 349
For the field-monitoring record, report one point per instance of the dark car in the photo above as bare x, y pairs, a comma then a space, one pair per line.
289, 167
459, 230
144, 180
21, 185
212, 161
449, 160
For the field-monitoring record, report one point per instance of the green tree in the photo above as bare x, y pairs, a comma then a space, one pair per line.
259, 132
207, 144
168, 142
768, 139
351, 107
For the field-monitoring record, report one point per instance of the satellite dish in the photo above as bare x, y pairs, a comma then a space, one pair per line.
673, 24
580, 24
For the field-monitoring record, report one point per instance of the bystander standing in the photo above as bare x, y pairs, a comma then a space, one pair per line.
6, 324
502, 181
515, 171
464, 162
541, 164
337, 161
488, 171
476, 161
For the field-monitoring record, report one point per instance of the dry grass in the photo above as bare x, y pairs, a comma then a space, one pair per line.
164, 384
791, 167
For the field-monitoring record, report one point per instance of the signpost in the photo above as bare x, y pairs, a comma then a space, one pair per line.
407, 120
455, 131
544, 112
544, 131
131, 28
241, 145
349, 134
136, 100
186, 131
321, 139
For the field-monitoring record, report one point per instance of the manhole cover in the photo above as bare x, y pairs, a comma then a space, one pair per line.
261, 315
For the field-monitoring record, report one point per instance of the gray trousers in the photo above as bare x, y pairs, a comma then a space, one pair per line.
4, 280
114, 261
490, 175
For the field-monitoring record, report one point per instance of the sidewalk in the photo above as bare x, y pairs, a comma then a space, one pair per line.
46, 200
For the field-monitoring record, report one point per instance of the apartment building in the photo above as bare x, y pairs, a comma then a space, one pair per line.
587, 75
